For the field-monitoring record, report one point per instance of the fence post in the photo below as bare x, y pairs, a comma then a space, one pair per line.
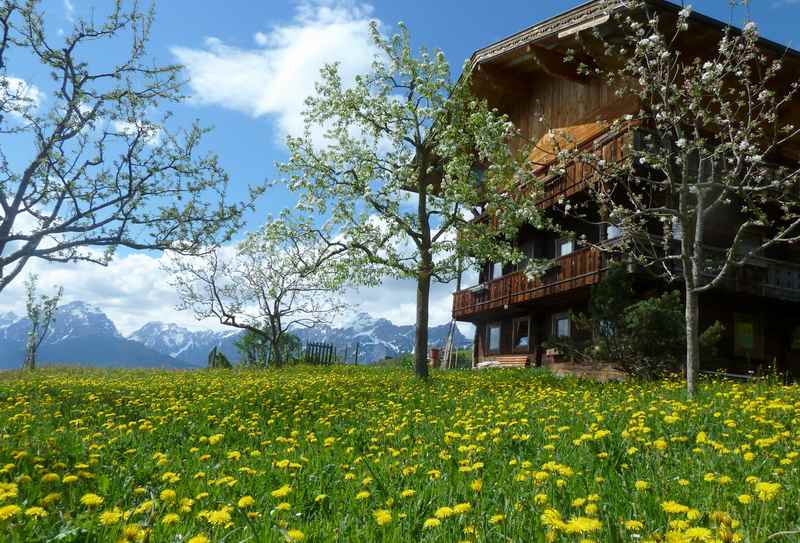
355, 361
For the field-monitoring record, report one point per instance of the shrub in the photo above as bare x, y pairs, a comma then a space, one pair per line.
644, 338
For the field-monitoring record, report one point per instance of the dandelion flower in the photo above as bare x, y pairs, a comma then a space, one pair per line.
281, 492
295, 535
245, 502
35, 512
219, 517
107, 518
92, 500
170, 518
582, 525
8, 511
382, 517
443, 512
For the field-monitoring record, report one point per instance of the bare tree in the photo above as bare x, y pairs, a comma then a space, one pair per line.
708, 144
103, 168
276, 281
41, 313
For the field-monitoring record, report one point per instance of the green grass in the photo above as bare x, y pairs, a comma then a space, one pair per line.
535, 458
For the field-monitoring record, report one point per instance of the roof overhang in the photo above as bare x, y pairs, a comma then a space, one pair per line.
584, 17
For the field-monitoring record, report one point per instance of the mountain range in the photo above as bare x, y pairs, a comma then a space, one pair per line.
83, 334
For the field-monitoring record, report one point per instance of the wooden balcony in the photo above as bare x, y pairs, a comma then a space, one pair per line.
766, 277
582, 268
609, 146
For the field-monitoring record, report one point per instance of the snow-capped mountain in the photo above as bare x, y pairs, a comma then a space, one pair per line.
7, 319
83, 334
376, 339
184, 344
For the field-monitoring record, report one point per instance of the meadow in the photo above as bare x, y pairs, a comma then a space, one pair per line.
358, 454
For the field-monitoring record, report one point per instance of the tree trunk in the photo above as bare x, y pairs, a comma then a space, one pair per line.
421, 337
277, 355
30, 360
692, 341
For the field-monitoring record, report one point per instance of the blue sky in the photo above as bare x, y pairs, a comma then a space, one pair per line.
248, 66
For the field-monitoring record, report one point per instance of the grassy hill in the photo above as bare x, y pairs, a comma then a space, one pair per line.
371, 454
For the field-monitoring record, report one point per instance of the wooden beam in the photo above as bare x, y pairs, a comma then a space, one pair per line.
495, 82
553, 64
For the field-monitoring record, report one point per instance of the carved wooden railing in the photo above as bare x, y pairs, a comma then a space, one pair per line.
760, 276
581, 268
608, 146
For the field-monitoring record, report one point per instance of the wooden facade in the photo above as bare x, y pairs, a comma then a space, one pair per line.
515, 314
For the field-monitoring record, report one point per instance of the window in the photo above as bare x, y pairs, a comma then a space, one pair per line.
749, 243
528, 249
477, 175
522, 334
493, 337
744, 336
795, 345
613, 231
677, 229
496, 270
564, 247
561, 325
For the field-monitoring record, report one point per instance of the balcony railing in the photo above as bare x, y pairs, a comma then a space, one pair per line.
581, 268
761, 276
608, 146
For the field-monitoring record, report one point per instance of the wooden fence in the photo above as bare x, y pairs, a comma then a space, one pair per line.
327, 353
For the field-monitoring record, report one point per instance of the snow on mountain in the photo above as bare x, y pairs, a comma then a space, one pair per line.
83, 334
184, 344
376, 339
7, 319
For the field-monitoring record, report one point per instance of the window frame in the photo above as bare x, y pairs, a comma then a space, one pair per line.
794, 339
492, 266
514, 339
565, 315
489, 327
738, 349
560, 242
616, 229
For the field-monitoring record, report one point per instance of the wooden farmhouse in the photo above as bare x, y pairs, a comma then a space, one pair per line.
526, 77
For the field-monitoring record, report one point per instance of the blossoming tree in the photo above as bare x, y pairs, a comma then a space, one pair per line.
279, 279
710, 141
100, 167
410, 157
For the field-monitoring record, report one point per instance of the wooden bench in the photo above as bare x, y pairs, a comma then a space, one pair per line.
505, 361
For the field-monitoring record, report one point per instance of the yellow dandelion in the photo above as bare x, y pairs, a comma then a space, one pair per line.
170, 518
295, 535
281, 492
382, 517
92, 500
245, 502
35, 512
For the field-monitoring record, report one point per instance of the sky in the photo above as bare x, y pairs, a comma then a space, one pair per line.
248, 66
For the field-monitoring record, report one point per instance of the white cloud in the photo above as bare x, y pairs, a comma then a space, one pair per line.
69, 10
132, 290
152, 133
396, 300
275, 76
17, 95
